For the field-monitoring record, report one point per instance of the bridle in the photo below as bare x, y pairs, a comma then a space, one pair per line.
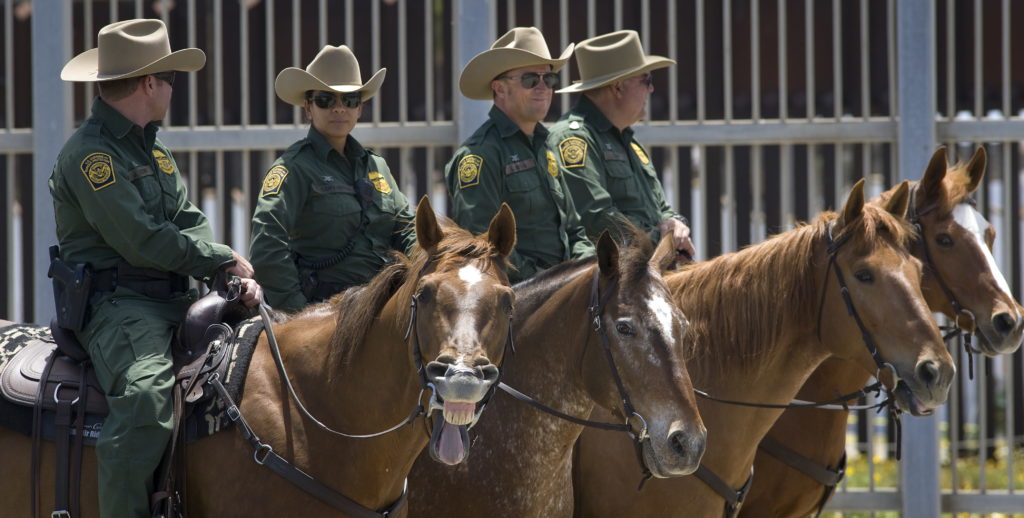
598, 302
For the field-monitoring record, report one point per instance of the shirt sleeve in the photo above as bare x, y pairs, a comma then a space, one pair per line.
282, 197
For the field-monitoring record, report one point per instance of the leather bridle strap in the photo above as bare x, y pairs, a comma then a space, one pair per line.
733, 498
836, 403
264, 455
827, 477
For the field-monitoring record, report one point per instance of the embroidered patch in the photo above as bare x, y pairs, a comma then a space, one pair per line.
640, 153
379, 182
272, 182
469, 170
163, 161
98, 168
552, 166
573, 151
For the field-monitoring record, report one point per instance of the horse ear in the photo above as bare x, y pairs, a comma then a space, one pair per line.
607, 255
854, 204
502, 231
931, 183
665, 255
428, 232
899, 201
976, 168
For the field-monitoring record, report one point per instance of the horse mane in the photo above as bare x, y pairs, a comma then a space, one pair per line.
358, 307
740, 305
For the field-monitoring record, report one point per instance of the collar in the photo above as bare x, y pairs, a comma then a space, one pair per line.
507, 128
353, 149
118, 124
594, 116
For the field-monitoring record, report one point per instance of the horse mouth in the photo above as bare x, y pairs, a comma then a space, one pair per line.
449, 439
907, 401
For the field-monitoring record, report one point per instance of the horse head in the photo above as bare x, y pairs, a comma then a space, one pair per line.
961, 277
462, 305
644, 332
882, 306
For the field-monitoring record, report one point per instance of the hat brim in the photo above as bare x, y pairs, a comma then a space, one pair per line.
292, 84
85, 66
475, 81
650, 63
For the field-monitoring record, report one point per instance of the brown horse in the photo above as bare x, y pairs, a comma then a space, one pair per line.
521, 462
353, 369
959, 261
763, 319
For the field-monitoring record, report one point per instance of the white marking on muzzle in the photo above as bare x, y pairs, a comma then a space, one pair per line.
471, 274
972, 220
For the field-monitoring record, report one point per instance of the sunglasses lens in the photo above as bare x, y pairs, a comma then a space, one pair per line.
551, 80
352, 100
324, 100
529, 80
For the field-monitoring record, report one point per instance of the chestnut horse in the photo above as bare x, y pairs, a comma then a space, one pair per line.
353, 368
763, 319
961, 281
521, 462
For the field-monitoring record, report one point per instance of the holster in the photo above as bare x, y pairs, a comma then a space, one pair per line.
72, 287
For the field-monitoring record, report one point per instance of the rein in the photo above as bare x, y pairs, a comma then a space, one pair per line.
596, 310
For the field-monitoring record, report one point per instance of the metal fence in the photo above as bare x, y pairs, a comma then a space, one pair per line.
775, 109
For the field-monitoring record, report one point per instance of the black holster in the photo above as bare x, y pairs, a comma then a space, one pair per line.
72, 287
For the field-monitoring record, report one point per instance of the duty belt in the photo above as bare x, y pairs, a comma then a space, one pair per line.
145, 281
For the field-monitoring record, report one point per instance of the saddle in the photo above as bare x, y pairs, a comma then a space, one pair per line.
56, 379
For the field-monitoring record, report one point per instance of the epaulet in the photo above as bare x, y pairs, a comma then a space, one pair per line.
295, 148
92, 127
480, 133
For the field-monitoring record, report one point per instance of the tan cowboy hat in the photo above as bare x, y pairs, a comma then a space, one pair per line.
131, 48
607, 58
334, 69
519, 47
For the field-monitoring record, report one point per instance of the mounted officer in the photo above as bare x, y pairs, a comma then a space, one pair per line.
329, 213
610, 175
507, 158
126, 226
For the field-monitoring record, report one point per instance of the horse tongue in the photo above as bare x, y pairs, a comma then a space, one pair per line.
448, 442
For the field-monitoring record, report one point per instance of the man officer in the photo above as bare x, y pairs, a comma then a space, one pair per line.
609, 173
122, 208
507, 159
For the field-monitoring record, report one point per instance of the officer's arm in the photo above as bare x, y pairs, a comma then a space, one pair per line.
586, 181
404, 230
282, 197
579, 245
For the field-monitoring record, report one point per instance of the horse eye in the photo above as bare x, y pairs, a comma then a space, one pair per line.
425, 294
864, 276
624, 328
944, 240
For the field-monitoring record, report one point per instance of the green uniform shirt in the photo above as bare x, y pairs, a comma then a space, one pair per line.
117, 194
499, 163
308, 205
609, 173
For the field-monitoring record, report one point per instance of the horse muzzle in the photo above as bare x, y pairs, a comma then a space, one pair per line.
459, 388
1002, 334
677, 452
927, 389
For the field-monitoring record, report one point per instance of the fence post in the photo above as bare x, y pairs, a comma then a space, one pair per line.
915, 27
51, 126
474, 27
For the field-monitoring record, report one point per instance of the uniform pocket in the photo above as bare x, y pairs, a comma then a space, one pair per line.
522, 181
334, 204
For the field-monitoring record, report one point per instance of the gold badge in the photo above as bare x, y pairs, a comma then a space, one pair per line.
552, 166
379, 182
163, 161
273, 181
640, 153
98, 168
574, 152
469, 170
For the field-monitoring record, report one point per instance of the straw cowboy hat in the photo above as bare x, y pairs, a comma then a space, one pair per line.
519, 47
334, 69
131, 48
607, 58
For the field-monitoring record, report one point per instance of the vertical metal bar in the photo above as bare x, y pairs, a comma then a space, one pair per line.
701, 80
218, 66
755, 60
891, 53
865, 71
591, 19
296, 53
88, 34
837, 61
787, 187
51, 126
758, 221
783, 57
510, 15
9, 72
727, 58
12, 233
814, 190
321, 29
243, 220
243, 49
954, 428
375, 53
428, 58
982, 421
1004, 20
979, 105
138, 9
809, 56
350, 35
916, 138
618, 14
407, 174
673, 73
950, 60
563, 42
218, 188
697, 196
472, 35
193, 102
113, 11
538, 18
268, 48
403, 63
839, 176
727, 205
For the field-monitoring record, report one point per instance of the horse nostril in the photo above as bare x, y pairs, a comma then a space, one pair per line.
681, 445
927, 372
437, 370
489, 373
1003, 323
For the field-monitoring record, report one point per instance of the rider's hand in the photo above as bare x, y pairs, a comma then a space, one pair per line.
252, 293
241, 268
680, 236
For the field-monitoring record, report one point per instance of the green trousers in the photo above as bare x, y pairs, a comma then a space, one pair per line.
128, 338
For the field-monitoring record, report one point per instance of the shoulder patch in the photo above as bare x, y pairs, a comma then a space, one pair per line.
640, 153
573, 151
552, 166
272, 182
469, 170
163, 161
98, 169
379, 182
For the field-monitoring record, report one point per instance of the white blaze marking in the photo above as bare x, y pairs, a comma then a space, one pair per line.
969, 218
471, 274
663, 312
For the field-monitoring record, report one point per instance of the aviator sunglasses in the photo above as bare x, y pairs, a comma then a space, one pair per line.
327, 100
530, 80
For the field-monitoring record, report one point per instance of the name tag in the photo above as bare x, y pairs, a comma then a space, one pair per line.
521, 165
614, 156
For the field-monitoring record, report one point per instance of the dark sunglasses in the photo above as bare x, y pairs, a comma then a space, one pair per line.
647, 79
530, 80
167, 77
327, 100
